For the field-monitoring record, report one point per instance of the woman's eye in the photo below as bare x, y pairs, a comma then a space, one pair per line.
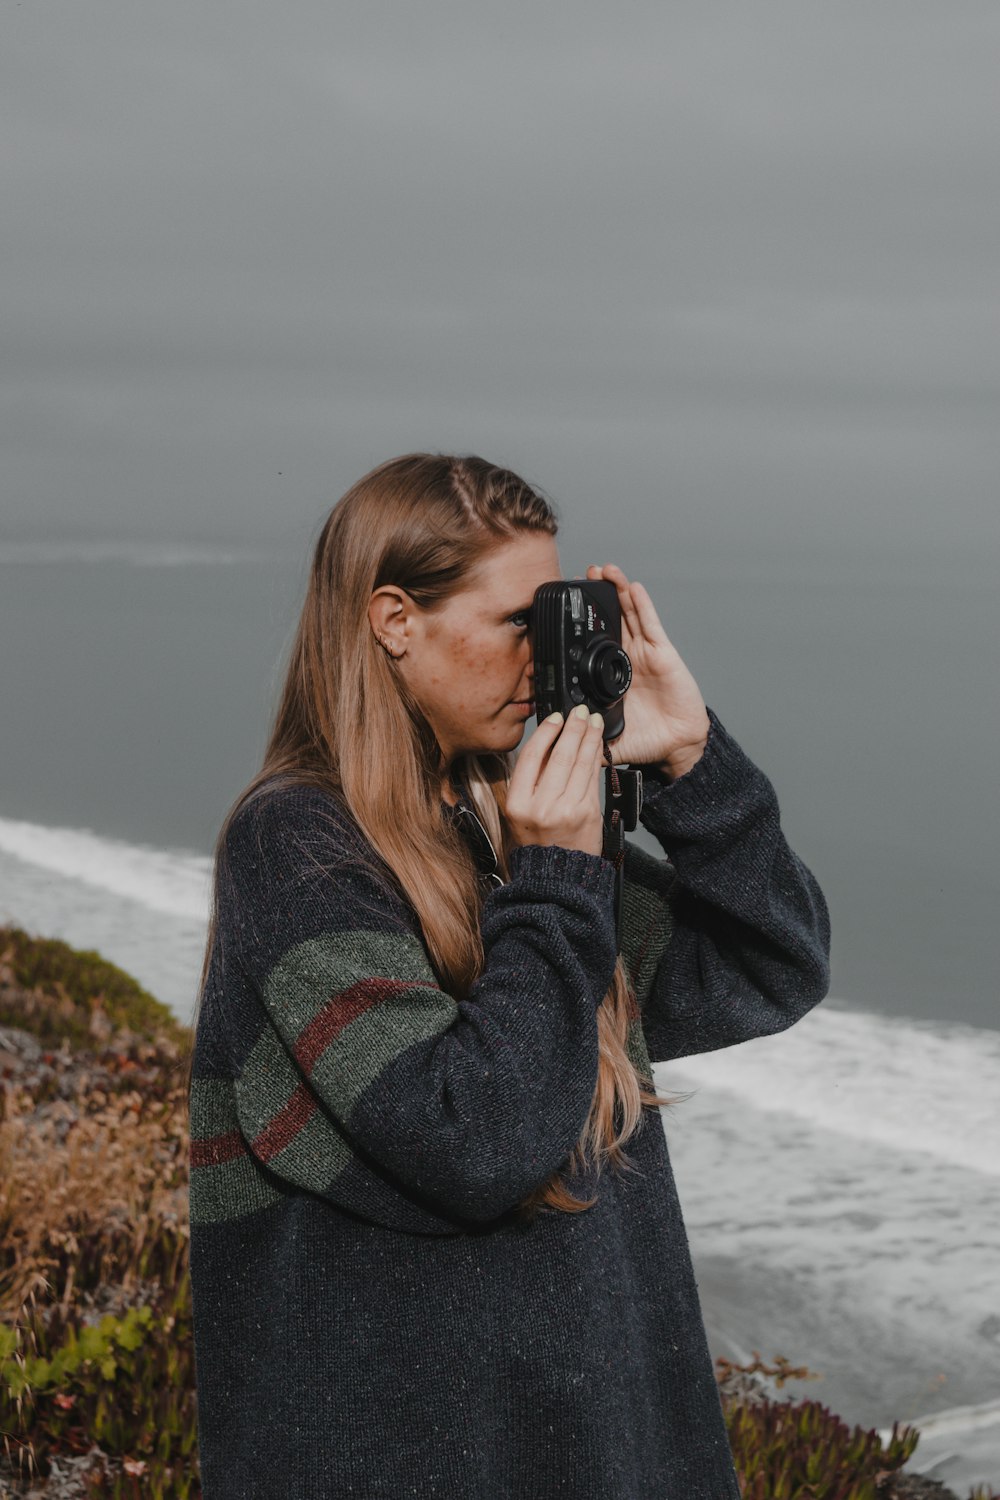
520, 619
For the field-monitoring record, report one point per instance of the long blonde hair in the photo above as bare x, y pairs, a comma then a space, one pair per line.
423, 522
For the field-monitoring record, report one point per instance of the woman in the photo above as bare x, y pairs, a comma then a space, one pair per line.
422, 1261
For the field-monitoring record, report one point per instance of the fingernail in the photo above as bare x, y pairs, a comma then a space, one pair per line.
582, 711
596, 719
555, 718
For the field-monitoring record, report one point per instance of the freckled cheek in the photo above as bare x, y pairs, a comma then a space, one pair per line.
479, 669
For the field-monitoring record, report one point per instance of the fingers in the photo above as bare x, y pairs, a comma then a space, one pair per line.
582, 780
532, 756
550, 756
649, 620
614, 574
562, 806
575, 743
638, 610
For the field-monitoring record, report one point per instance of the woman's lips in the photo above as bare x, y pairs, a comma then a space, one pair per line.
525, 706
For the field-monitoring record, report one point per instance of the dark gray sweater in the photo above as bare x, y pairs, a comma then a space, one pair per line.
370, 1319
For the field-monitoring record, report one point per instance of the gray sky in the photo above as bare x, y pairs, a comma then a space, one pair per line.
725, 267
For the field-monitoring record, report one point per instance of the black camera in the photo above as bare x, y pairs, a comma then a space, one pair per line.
579, 658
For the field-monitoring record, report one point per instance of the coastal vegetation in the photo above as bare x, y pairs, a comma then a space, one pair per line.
97, 1387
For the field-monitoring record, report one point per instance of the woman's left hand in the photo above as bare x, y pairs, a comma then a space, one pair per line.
666, 722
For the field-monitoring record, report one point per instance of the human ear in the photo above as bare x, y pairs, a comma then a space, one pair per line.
390, 615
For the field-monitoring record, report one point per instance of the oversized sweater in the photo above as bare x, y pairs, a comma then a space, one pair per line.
370, 1318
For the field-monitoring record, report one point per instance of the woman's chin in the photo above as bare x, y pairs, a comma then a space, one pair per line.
503, 742
501, 737
517, 730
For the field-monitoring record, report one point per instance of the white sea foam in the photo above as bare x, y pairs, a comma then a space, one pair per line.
144, 909
961, 1444
174, 883
868, 1258
905, 1084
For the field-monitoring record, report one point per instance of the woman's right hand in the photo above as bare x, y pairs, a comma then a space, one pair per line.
553, 793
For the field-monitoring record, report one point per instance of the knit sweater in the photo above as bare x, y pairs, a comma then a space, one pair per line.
370, 1318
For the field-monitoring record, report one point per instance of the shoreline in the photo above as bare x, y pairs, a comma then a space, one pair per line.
747, 1307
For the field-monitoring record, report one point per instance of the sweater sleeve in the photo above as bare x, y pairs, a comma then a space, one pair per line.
729, 937
361, 1078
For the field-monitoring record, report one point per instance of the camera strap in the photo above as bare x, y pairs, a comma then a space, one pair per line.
622, 806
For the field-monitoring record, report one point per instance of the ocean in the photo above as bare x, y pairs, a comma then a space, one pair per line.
839, 1180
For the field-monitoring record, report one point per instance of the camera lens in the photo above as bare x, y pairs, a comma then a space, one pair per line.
605, 672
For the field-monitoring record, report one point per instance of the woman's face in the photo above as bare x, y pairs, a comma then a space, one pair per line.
469, 662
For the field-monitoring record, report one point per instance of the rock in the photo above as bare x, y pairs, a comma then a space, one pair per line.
918, 1487
19, 1046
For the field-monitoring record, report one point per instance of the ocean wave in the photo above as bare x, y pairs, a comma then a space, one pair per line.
898, 1082
175, 883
